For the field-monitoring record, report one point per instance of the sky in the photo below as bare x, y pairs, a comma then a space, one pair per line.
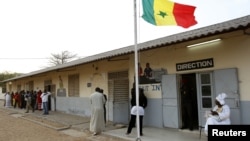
31, 30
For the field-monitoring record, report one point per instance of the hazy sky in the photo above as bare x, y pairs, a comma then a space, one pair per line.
30, 30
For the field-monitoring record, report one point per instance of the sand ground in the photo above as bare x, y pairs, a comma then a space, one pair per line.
19, 127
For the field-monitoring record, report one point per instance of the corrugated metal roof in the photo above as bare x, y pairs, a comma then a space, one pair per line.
236, 24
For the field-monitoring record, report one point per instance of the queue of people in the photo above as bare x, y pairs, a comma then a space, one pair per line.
219, 115
28, 100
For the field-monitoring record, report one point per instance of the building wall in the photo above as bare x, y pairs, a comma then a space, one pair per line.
244, 114
73, 105
153, 112
231, 52
1, 94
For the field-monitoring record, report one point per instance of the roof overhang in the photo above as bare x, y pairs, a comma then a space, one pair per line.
242, 23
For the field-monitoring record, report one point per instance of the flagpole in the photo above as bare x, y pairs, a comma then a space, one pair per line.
136, 70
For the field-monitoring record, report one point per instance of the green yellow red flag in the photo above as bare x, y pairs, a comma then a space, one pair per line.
165, 12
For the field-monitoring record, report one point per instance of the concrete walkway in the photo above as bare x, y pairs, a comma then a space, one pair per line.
77, 126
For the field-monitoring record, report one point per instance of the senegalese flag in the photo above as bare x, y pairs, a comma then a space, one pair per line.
165, 12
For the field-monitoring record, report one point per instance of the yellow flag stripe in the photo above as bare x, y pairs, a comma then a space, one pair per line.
163, 12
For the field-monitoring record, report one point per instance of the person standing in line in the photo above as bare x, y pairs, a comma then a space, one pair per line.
44, 97
220, 114
140, 108
7, 103
19, 100
104, 106
39, 100
33, 100
12, 99
97, 101
28, 101
16, 100
23, 102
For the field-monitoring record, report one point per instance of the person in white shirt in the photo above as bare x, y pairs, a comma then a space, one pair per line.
44, 97
220, 114
140, 108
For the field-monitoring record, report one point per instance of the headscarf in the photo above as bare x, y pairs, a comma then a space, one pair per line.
221, 98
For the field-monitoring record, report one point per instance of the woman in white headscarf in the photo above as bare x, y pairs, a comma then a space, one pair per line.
220, 115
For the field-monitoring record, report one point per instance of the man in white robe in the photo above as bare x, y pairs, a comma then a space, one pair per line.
220, 115
7, 100
97, 101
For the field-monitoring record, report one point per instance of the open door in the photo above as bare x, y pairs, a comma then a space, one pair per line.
226, 80
170, 101
188, 102
211, 84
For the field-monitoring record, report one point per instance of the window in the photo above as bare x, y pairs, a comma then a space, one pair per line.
29, 86
19, 88
73, 85
206, 90
47, 84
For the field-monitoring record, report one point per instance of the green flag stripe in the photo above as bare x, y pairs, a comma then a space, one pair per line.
148, 11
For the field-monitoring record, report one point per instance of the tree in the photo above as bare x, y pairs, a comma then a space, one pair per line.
6, 75
61, 58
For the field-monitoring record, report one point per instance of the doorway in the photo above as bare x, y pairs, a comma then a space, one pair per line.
118, 97
188, 102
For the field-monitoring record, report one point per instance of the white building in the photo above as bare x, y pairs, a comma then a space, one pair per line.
209, 69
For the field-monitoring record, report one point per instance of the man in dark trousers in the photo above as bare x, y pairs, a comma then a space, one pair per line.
104, 106
140, 108
187, 107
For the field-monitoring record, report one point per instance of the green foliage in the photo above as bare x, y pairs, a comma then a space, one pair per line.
5, 76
